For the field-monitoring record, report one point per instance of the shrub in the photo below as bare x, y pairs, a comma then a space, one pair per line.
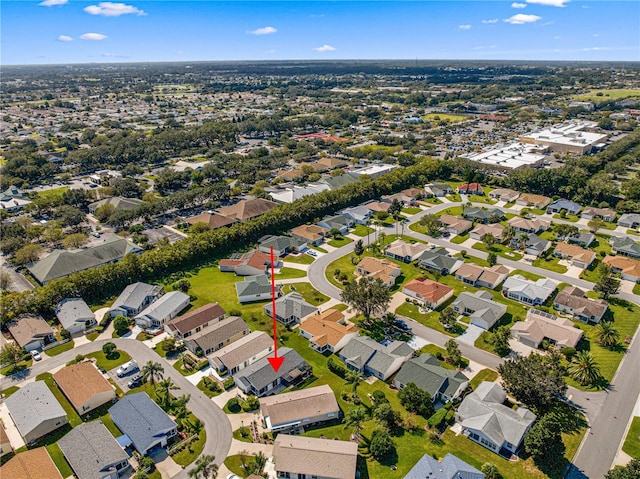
438, 418
336, 368
228, 383
568, 353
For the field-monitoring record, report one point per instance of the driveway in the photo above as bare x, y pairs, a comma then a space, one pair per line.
470, 335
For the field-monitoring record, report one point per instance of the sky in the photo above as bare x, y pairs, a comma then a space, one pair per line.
77, 31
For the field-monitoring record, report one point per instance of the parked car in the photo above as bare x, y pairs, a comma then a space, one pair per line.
312, 253
135, 381
36, 355
127, 368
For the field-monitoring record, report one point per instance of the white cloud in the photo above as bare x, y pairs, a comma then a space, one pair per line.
325, 48
263, 31
272, 50
65, 38
549, 3
464, 27
522, 18
52, 3
595, 35
491, 20
179, 52
110, 9
316, 16
595, 49
92, 36
518, 5
114, 55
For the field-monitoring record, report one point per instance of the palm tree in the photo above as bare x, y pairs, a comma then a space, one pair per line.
354, 418
165, 386
522, 241
508, 233
259, 461
354, 378
205, 468
607, 334
584, 368
152, 372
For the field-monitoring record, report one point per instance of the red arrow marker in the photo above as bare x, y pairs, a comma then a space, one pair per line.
275, 361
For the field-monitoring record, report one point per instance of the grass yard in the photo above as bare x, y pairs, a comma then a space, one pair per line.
526, 274
53, 194
289, 273
21, 366
191, 452
570, 218
340, 241
308, 292
412, 210
591, 273
472, 259
430, 320
500, 250
448, 117
59, 460
60, 349
116, 359
632, 443
9, 391
362, 230
318, 248
92, 336
607, 95
202, 386
483, 375
110, 425
72, 415
298, 259
437, 350
636, 289
459, 239
551, 265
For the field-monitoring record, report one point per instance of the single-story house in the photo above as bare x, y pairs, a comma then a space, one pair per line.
381, 269
504, 194
628, 268
295, 192
164, 309
526, 291
256, 288
525, 225
530, 243
339, 181
573, 300
327, 331
481, 230
625, 246
407, 252
454, 224
31, 332
339, 222
217, 335
377, 206
290, 309
483, 215
282, 245
470, 189
247, 264
247, 209
450, 467
629, 220
431, 293
414, 193
438, 189
261, 379
480, 307
35, 411
241, 353
93, 453
578, 256
584, 239
74, 315
537, 201
426, 373
293, 410
195, 321
13, 199
299, 457
312, 234
438, 259
134, 298
5, 444
212, 219
570, 207
84, 386
365, 355
487, 421
359, 214
480, 277
140, 418
29, 464
540, 326
119, 204
403, 199
606, 214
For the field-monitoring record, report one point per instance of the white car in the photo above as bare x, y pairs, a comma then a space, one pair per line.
36, 355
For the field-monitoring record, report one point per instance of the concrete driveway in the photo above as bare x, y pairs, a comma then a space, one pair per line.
470, 335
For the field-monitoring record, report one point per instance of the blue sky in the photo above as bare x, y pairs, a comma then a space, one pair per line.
75, 31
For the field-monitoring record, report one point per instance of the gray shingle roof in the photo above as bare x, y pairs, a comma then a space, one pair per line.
137, 416
135, 295
258, 284
363, 351
438, 258
339, 181
91, 450
218, 333
451, 467
482, 305
260, 374
292, 304
33, 404
166, 306
72, 310
426, 373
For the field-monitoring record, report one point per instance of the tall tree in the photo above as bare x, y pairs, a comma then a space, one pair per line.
386, 416
367, 295
358, 248
11, 354
500, 340
596, 223
607, 334
630, 471
448, 317
152, 372
354, 418
416, 400
606, 284
544, 442
453, 351
584, 368
395, 208
354, 378
492, 259
381, 444
431, 224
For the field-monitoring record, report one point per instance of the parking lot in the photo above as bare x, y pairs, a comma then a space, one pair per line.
121, 382
155, 234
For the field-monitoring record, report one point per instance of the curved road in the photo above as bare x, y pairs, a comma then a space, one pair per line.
215, 421
608, 411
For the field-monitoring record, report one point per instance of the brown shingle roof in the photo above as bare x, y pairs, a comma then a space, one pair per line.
576, 252
246, 209
80, 382
325, 327
214, 220
195, 318
310, 232
575, 299
32, 464
29, 328
297, 405
312, 456
626, 265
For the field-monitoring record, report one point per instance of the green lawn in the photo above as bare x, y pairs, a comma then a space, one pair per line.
9, 391
362, 230
448, 117
472, 259
591, 273
318, 248
53, 194
116, 359
340, 241
413, 210
72, 415
500, 250
437, 350
636, 289
308, 292
191, 452
92, 336
22, 365
110, 425
570, 218
60, 349
209, 393
234, 464
552, 264
299, 259
632, 443
459, 239
483, 375
290, 273
608, 95
59, 460
527, 274
430, 320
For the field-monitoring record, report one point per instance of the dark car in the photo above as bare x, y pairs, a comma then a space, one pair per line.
135, 381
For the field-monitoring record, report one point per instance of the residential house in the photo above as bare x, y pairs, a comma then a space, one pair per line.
540, 326
290, 309
134, 298
142, 420
212, 219
339, 181
74, 315
241, 353
430, 293
628, 268
31, 332
93, 453
400, 250
30, 464
195, 321
377, 206
261, 379
438, 189
35, 411
295, 410
118, 203
217, 335
5, 444
480, 307
312, 234
293, 193
527, 291
13, 199
164, 309
247, 264
483, 215
536, 201
375, 170
583, 239
504, 194
480, 277
606, 214
367, 356
450, 467
629, 220
573, 300
282, 245
300, 457
530, 243
414, 193
481, 230
381, 269
327, 331
570, 207
425, 372
470, 189
62, 263
246, 209
331, 163
438, 259
486, 420
576, 255
338, 222
256, 288
525, 225
454, 224
359, 214
403, 199
625, 246
84, 386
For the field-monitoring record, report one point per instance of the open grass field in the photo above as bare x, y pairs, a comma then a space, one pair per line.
53, 194
448, 117
362, 230
308, 292
607, 95
60, 349
551, 265
500, 250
